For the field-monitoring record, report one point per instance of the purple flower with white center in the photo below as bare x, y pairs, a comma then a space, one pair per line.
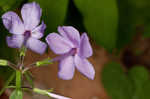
73, 50
26, 32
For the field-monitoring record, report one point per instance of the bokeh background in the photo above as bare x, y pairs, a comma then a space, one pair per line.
119, 32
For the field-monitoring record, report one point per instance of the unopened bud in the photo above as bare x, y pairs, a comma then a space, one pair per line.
44, 62
3, 62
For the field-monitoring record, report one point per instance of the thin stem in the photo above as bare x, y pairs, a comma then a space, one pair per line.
21, 63
58, 58
22, 55
13, 66
29, 67
23, 87
34, 65
11, 87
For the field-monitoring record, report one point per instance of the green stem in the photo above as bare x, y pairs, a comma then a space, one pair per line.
7, 83
44, 62
18, 79
22, 55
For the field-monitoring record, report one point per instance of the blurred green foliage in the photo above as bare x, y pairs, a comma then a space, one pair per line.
126, 26
139, 76
134, 84
100, 18
116, 82
6, 5
53, 12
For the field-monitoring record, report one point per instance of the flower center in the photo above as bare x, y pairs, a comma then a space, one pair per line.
27, 34
73, 51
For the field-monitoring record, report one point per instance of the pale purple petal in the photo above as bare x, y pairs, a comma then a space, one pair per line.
38, 32
66, 68
70, 33
36, 45
57, 96
85, 67
31, 14
13, 23
15, 41
58, 44
85, 49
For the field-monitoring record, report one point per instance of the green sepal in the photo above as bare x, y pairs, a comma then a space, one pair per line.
3, 62
50, 90
44, 62
40, 91
23, 51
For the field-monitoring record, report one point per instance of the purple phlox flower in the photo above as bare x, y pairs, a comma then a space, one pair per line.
26, 30
73, 50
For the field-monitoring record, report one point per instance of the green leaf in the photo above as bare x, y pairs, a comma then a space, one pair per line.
145, 91
9, 80
140, 9
146, 33
139, 76
136, 14
9, 4
127, 26
53, 12
16, 94
100, 18
116, 83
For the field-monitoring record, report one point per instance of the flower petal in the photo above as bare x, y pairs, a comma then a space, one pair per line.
57, 96
38, 31
85, 49
58, 44
13, 23
85, 67
36, 45
70, 33
31, 14
15, 41
66, 68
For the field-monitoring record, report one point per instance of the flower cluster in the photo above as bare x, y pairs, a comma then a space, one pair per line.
71, 48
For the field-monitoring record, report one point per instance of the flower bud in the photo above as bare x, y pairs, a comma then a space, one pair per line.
3, 62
